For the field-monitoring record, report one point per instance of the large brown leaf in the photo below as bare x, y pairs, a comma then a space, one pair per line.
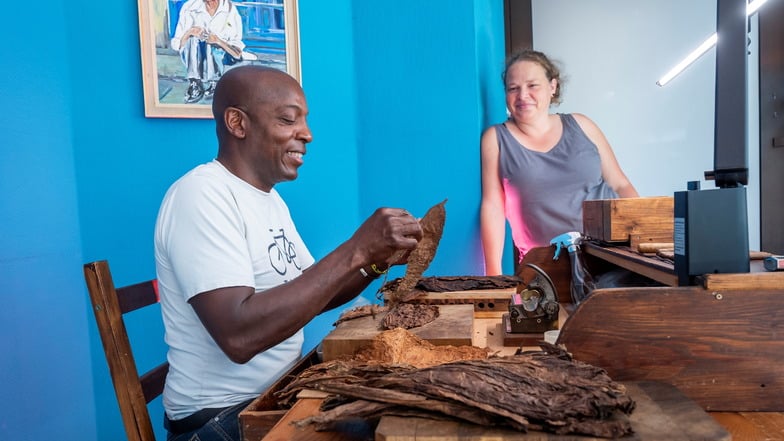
421, 257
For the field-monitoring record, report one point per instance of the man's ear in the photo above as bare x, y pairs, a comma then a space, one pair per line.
235, 120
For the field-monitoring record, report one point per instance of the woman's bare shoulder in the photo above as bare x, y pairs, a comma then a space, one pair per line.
587, 124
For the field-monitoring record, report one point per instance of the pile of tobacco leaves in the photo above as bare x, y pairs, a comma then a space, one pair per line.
542, 390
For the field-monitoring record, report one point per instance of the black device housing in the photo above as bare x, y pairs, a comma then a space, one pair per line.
711, 233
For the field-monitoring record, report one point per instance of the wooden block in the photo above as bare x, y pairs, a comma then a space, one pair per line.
648, 219
454, 326
487, 302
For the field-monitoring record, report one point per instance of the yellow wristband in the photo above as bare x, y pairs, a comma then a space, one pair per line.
378, 271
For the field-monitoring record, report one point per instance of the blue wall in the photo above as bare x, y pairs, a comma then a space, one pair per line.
419, 119
45, 364
398, 98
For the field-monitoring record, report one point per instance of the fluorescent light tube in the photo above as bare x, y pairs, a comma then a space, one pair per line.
691, 58
751, 8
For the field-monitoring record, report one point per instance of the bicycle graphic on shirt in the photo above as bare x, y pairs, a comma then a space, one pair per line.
282, 253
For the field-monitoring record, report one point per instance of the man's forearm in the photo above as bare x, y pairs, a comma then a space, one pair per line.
353, 288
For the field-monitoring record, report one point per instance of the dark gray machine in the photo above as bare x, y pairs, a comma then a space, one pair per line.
711, 226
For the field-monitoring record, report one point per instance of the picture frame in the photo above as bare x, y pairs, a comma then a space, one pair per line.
177, 81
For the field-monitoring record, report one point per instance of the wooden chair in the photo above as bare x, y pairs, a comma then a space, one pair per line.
133, 392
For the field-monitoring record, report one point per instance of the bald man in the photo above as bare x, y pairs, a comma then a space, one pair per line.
237, 283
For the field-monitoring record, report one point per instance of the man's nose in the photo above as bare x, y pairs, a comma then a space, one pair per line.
306, 135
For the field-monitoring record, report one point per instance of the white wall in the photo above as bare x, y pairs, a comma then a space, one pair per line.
612, 52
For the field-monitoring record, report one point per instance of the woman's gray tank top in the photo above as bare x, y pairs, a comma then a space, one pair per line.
544, 191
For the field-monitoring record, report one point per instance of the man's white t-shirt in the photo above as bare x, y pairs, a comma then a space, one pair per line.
215, 230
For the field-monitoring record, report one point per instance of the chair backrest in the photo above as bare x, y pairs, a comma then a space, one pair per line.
109, 304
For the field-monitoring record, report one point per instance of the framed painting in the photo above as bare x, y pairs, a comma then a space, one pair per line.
186, 45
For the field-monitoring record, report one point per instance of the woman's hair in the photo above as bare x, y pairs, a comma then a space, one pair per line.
550, 68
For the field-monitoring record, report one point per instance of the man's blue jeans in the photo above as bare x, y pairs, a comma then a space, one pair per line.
225, 426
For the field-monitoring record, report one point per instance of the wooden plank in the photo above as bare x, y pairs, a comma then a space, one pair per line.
257, 425
137, 296
284, 430
117, 348
658, 270
460, 297
454, 326
663, 271
741, 428
153, 381
486, 302
754, 280
662, 414
725, 352
770, 424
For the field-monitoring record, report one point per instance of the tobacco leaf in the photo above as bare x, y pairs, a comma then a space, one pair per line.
530, 391
407, 316
420, 258
360, 311
457, 283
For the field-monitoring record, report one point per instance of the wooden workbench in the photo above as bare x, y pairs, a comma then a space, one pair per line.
487, 333
720, 342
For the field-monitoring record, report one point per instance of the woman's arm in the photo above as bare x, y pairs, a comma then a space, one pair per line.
611, 170
491, 217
